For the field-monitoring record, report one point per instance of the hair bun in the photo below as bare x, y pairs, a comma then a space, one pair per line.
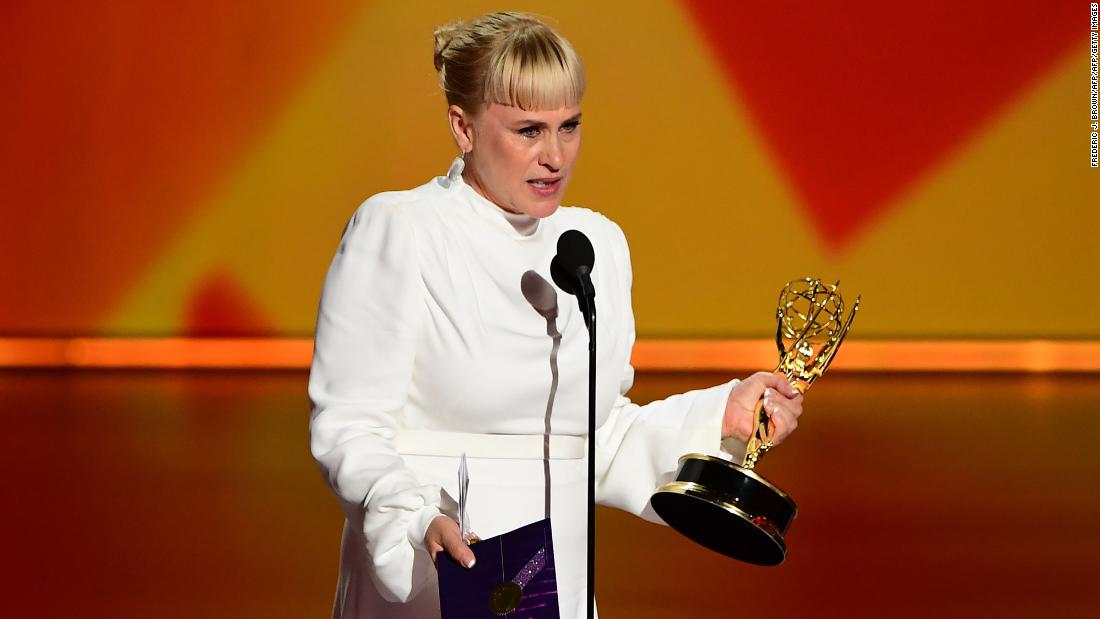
443, 36
513, 59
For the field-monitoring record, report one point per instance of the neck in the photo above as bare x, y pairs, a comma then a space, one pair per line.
471, 179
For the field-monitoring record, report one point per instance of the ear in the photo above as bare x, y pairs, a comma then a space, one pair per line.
462, 127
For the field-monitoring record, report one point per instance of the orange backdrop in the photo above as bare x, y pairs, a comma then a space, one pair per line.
182, 168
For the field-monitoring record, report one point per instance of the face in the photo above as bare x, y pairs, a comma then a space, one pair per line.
521, 161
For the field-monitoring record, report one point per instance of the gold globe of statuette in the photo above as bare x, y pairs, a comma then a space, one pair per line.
730, 508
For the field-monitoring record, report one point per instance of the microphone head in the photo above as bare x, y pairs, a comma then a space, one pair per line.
575, 257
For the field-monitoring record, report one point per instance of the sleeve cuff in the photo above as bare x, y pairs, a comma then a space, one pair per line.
730, 448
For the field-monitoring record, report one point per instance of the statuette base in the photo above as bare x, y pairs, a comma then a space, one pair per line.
728, 509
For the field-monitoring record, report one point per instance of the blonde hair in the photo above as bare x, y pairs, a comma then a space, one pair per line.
507, 58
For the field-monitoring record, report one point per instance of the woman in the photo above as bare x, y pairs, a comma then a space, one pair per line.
438, 334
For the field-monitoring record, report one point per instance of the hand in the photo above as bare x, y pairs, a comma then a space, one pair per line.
782, 403
443, 534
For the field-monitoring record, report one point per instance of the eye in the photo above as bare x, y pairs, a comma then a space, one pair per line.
571, 126
529, 132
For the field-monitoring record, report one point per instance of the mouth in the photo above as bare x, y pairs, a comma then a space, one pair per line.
546, 185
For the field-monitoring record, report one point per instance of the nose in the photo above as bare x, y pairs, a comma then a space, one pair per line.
552, 156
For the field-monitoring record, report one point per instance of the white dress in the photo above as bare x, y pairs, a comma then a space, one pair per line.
427, 345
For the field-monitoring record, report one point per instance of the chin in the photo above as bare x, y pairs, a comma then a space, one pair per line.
543, 206
544, 209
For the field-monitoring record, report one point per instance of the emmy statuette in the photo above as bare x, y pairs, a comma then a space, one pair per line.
730, 508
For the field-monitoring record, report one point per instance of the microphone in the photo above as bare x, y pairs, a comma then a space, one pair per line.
571, 269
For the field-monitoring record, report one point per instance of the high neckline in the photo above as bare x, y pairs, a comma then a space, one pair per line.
525, 225
519, 224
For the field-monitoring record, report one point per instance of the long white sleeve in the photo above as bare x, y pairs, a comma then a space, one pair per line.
638, 447
367, 325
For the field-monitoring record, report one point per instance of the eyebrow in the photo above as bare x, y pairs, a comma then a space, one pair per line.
542, 125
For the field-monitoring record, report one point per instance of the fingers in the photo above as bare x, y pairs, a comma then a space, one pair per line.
443, 535
783, 414
776, 382
742, 407
773, 399
457, 548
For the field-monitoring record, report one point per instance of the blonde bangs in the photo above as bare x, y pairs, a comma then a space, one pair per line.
535, 70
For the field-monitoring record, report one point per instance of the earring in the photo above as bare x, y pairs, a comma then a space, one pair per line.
457, 166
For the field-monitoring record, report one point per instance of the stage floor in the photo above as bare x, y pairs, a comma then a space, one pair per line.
192, 494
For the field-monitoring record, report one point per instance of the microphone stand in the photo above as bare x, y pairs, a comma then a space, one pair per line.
586, 298
571, 270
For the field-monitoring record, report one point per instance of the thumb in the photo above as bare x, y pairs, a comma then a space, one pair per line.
459, 551
780, 384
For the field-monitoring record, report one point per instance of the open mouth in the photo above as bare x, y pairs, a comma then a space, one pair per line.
544, 184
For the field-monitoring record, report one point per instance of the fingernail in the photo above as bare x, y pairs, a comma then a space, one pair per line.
470, 563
